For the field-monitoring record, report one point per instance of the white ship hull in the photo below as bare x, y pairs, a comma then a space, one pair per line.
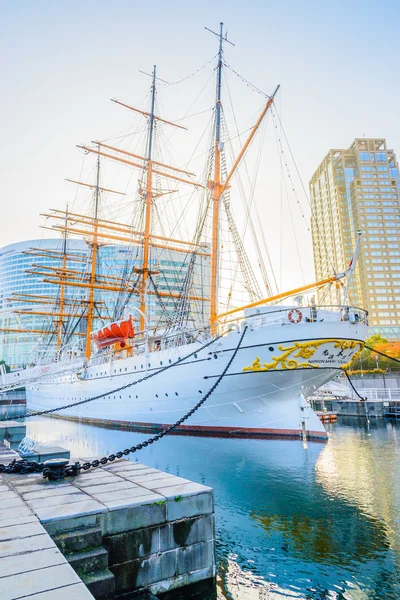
261, 398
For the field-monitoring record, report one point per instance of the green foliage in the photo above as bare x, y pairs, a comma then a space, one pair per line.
2, 362
178, 498
366, 361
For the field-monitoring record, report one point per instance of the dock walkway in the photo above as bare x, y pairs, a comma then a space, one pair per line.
31, 565
154, 531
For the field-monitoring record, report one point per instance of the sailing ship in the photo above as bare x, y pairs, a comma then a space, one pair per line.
285, 351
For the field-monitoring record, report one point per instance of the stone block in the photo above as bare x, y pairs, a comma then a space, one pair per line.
41, 559
42, 485
62, 511
79, 539
24, 545
18, 520
201, 575
101, 585
14, 502
43, 491
21, 531
88, 561
77, 591
99, 486
131, 545
181, 485
144, 572
180, 507
127, 494
91, 476
148, 498
7, 495
33, 582
124, 463
35, 503
124, 519
161, 587
195, 557
186, 532
21, 512
144, 478
69, 524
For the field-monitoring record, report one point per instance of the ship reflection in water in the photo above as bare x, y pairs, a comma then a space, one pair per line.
291, 523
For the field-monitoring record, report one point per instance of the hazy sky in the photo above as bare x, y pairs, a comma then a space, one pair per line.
337, 63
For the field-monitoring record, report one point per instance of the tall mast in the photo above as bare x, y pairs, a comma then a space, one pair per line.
62, 290
94, 263
149, 199
216, 190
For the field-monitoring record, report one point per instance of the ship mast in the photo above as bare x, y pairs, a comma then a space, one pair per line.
62, 286
149, 199
215, 185
89, 322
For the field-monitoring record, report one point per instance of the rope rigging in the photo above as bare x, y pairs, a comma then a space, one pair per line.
23, 466
123, 387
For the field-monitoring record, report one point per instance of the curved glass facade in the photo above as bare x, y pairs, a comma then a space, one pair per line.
25, 336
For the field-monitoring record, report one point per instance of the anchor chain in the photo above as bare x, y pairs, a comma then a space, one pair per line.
58, 469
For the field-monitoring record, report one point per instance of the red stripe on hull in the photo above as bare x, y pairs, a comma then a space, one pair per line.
237, 432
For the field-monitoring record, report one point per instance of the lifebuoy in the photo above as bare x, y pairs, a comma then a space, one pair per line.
295, 315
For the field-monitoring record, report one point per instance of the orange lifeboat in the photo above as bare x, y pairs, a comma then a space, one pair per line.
114, 333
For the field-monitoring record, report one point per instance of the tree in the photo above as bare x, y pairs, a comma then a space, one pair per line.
369, 360
3, 362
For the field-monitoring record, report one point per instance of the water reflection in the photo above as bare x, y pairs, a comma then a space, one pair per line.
318, 523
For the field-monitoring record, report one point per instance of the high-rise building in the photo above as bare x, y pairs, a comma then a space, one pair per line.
26, 330
352, 190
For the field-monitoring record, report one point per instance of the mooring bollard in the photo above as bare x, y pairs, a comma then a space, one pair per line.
54, 468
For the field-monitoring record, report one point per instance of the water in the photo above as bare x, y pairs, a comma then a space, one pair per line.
290, 523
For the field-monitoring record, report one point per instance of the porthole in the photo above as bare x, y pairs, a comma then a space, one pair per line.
149, 364
170, 361
195, 355
166, 394
200, 392
129, 395
271, 348
161, 362
141, 366
137, 396
156, 395
215, 356
176, 394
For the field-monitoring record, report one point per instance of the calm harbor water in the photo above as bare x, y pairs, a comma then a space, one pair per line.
315, 523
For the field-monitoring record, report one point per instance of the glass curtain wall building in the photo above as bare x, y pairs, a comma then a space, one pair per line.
358, 189
25, 336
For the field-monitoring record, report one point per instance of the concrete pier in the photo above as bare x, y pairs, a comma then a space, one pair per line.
122, 527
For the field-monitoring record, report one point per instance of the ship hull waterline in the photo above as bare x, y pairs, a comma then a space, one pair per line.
260, 396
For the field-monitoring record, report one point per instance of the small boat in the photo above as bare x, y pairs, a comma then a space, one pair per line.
117, 332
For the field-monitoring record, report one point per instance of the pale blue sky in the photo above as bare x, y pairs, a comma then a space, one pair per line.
337, 64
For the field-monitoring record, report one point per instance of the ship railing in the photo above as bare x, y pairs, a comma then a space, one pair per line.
379, 394
299, 315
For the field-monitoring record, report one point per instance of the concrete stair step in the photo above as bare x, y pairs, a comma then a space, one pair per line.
101, 584
88, 561
78, 539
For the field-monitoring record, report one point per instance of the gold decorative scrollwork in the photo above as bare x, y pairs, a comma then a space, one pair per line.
303, 350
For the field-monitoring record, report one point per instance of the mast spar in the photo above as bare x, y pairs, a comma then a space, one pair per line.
89, 324
149, 198
218, 187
